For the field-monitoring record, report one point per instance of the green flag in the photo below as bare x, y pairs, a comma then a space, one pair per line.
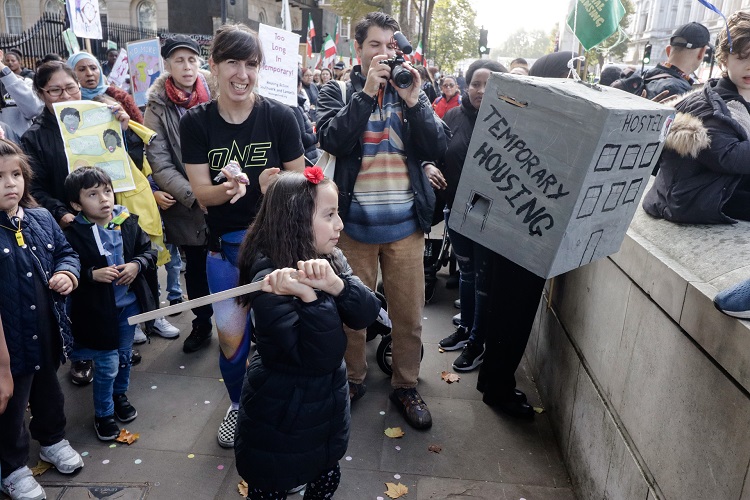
593, 21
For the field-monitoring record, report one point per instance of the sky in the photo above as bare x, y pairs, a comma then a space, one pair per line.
504, 17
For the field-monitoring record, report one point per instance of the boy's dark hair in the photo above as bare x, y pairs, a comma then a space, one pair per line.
519, 61
117, 51
236, 41
70, 112
285, 239
44, 74
739, 29
379, 19
84, 178
9, 149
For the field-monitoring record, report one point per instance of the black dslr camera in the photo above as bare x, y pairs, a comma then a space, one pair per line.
401, 76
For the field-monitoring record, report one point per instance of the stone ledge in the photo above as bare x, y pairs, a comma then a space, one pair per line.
682, 267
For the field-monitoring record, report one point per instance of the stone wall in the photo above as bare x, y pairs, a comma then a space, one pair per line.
646, 383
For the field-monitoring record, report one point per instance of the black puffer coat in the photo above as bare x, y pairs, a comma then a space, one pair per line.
294, 417
704, 158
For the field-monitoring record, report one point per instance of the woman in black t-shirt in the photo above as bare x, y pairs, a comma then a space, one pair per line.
262, 136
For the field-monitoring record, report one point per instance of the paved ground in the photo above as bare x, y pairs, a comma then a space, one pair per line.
181, 401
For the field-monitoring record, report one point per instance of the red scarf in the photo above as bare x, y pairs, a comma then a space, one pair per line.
187, 100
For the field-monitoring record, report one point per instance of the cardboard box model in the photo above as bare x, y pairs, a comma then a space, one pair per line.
555, 170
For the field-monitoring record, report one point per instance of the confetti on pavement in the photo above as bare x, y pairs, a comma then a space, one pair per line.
191, 455
105, 462
137, 461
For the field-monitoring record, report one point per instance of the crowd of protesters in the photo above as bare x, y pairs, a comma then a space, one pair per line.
84, 258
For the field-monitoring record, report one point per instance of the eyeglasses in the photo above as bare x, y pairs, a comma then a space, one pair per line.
71, 90
448, 85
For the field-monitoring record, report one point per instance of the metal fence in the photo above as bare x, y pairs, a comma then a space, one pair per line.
46, 36
43, 38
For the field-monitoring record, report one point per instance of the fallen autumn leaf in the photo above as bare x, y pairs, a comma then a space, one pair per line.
450, 377
242, 489
435, 448
40, 468
394, 432
396, 490
127, 437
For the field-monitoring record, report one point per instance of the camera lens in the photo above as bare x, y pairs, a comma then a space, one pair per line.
401, 77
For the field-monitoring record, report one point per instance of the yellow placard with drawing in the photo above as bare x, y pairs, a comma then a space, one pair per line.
93, 137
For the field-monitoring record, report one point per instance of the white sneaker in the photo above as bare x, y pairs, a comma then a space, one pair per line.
227, 429
21, 485
65, 459
140, 337
164, 328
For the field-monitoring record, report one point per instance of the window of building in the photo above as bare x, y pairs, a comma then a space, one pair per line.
146, 15
13, 20
54, 7
262, 18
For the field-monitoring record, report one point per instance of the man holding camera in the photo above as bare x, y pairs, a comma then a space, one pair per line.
381, 132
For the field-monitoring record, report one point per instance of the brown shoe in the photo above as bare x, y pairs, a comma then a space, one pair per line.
413, 407
356, 391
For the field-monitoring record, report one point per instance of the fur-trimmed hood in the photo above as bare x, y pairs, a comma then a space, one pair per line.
687, 136
158, 94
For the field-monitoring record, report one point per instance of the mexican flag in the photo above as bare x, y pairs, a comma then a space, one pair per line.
418, 57
310, 36
329, 51
336, 32
352, 53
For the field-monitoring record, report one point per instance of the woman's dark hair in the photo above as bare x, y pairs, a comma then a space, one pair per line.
379, 19
44, 74
738, 25
424, 74
493, 66
236, 41
327, 70
8, 150
111, 133
283, 229
554, 65
15, 52
84, 178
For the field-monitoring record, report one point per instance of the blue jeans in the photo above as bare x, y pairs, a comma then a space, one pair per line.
173, 267
473, 261
111, 368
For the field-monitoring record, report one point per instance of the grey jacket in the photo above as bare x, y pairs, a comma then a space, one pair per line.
27, 104
184, 222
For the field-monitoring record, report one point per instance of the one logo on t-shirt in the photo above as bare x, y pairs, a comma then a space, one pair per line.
251, 155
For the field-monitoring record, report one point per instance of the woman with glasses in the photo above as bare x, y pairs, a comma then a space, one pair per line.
451, 97
54, 82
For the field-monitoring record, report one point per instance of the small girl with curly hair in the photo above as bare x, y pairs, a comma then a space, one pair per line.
293, 422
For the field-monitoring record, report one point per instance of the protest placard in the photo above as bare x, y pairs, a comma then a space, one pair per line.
93, 137
278, 76
555, 170
84, 18
71, 42
145, 67
119, 72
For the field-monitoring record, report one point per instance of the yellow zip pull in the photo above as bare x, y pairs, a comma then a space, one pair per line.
19, 238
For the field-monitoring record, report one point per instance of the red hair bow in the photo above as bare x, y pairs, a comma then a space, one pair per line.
314, 174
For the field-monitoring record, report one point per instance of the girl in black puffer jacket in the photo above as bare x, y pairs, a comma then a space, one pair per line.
293, 422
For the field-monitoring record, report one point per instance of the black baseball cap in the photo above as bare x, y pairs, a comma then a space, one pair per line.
179, 42
339, 65
691, 36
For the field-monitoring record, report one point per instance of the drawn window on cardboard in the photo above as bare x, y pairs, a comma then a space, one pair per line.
589, 202
648, 154
613, 198
607, 157
632, 191
630, 158
590, 251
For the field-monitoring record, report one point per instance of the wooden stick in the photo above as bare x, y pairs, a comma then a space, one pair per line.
191, 304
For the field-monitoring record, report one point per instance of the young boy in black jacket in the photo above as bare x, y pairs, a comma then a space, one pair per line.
115, 253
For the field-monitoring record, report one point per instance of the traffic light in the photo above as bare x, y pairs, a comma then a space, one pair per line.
709, 56
647, 54
483, 49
